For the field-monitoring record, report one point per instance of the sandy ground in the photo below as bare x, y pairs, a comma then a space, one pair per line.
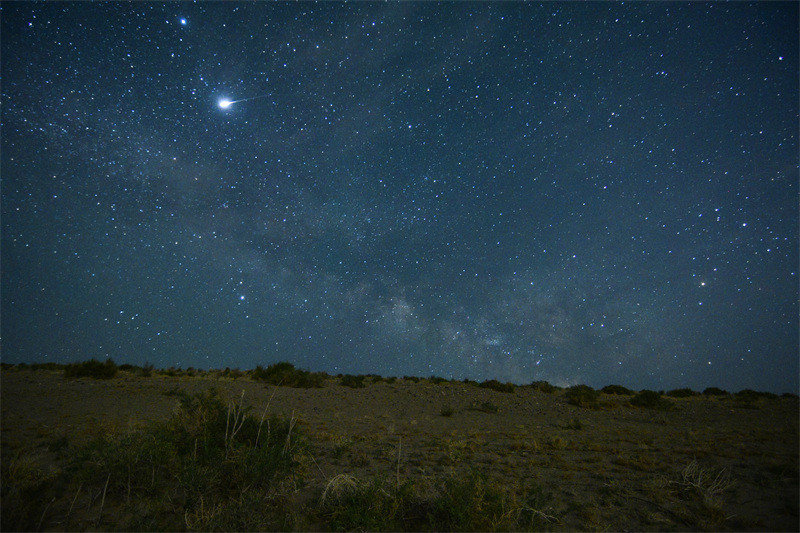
615, 471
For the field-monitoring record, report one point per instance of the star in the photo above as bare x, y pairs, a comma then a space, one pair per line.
224, 103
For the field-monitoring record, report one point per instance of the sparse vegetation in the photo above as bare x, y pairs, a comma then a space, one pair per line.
714, 391
354, 382
651, 400
218, 465
582, 396
287, 375
681, 393
495, 385
91, 369
616, 389
472, 503
436, 380
544, 386
212, 466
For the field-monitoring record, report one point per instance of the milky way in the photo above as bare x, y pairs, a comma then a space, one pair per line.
578, 193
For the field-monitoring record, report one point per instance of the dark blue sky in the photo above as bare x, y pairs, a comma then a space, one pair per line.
596, 193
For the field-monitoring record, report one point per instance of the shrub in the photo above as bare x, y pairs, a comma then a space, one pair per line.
354, 382
211, 466
390, 380
789, 395
436, 380
651, 400
413, 379
543, 386
287, 375
714, 391
616, 389
471, 503
681, 393
582, 396
447, 411
92, 369
147, 370
752, 395
497, 386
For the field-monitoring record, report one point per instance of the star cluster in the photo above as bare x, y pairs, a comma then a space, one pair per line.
580, 193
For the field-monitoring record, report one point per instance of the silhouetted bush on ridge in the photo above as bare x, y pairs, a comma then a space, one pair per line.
714, 391
91, 369
354, 382
681, 393
544, 386
286, 374
497, 386
582, 396
616, 389
651, 400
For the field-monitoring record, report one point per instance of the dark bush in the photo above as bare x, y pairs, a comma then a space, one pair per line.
447, 411
497, 386
651, 400
582, 396
714, 391
413, 379
749, 395
543, 386
390, 380
147, 370
354, 382
681, 393
209, 455
436, 380
789, 395
287, 375
616, 389
91, 369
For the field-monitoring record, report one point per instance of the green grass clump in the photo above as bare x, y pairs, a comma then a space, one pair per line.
582, 396
354, 382
651, 400
495, 385
287, 375
616, 389
471, 503
91, 369
681, 393
213, 465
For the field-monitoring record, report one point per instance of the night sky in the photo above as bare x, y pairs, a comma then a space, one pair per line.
578, 193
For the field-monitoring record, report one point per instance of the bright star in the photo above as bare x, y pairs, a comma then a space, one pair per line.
225, 103
183, 22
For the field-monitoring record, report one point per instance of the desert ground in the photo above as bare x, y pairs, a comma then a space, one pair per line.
709, 462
